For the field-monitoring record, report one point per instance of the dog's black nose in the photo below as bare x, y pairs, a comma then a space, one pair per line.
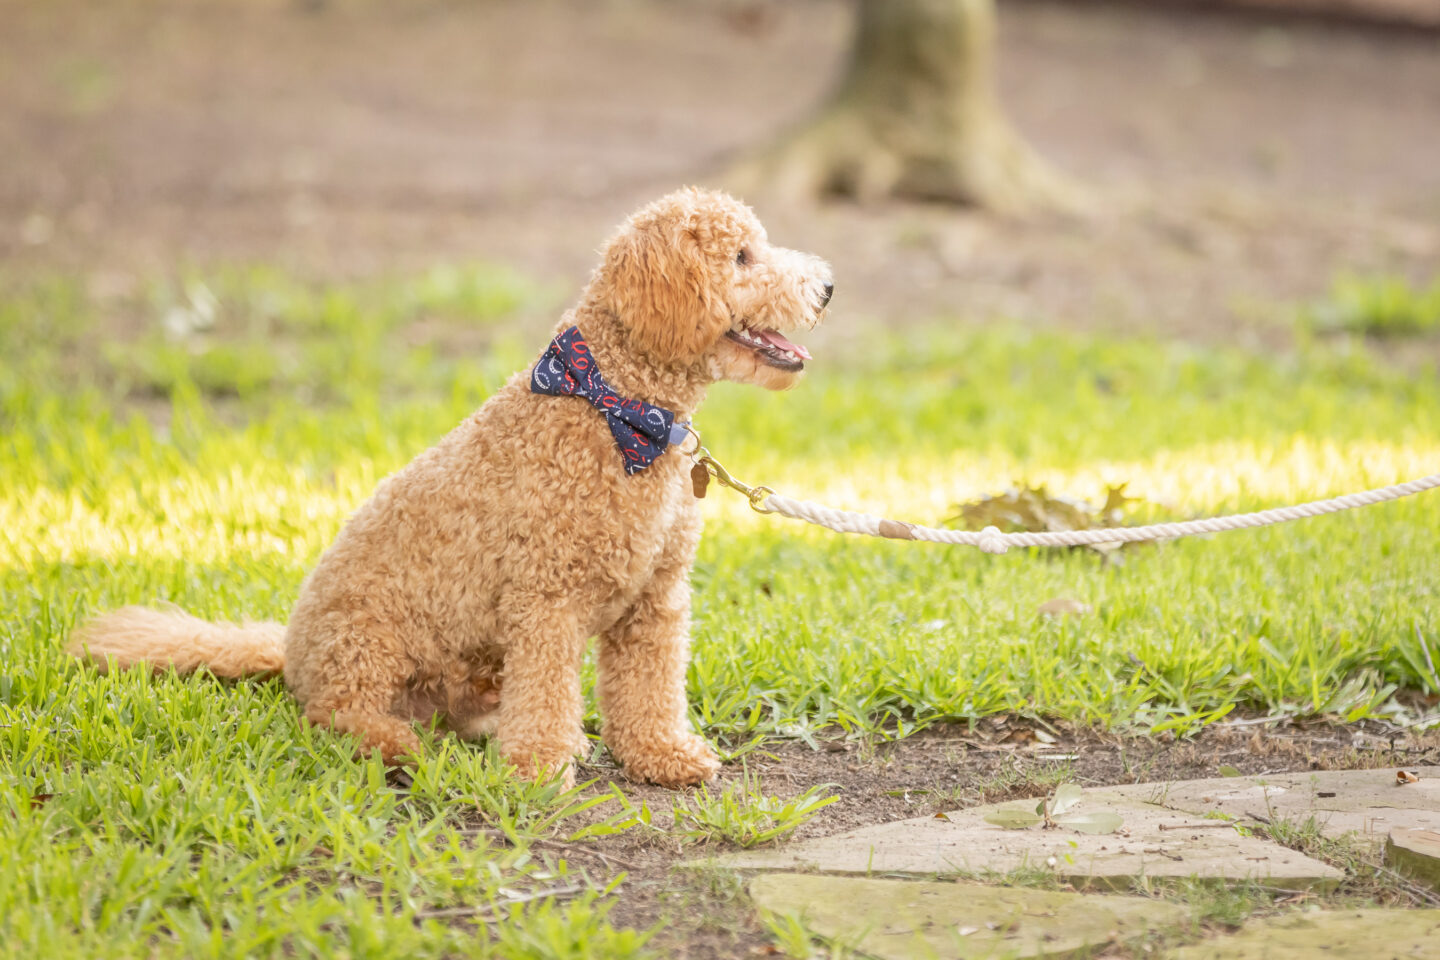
829, 291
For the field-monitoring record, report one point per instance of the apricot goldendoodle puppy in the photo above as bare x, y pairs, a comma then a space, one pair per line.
467, 586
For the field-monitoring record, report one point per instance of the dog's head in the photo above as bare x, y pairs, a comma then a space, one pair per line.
696, 284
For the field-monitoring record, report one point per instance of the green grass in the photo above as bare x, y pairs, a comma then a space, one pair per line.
201, 442
741, 813
794, 939
1380, 306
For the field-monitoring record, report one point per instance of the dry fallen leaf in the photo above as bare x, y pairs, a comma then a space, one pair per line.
1403, 777
1098, 822
1033, 509
1013, 819
1066, 796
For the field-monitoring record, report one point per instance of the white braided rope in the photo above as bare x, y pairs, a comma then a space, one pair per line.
991, 540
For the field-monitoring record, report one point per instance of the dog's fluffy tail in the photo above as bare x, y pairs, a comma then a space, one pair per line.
172, 638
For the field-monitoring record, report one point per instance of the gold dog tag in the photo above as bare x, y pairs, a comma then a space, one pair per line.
699, 480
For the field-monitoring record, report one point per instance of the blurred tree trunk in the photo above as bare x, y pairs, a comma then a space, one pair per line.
915, 116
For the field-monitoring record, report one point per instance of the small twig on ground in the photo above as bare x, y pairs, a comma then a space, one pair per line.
485, 913
1251, 722
1415, 891
1217, 825
609, 858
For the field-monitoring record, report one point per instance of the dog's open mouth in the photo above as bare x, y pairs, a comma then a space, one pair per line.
772, 347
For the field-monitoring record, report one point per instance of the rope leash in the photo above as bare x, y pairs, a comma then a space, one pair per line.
991, 540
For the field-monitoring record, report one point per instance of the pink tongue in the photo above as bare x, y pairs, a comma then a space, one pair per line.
773, 338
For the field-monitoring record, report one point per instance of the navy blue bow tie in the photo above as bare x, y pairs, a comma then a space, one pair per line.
642, 430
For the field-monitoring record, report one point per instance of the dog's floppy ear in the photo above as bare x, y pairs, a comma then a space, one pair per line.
660, 289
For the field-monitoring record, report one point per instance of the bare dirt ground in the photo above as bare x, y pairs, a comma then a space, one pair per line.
1237, 161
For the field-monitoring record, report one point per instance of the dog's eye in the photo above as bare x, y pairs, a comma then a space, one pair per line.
742, 257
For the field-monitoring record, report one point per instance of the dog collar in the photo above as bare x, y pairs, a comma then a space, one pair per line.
642, 430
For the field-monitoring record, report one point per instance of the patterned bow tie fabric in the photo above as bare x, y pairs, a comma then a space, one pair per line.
642, 430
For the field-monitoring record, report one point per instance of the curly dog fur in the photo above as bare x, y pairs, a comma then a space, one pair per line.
469, 583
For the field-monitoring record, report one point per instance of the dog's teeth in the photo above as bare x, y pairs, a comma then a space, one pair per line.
748, 337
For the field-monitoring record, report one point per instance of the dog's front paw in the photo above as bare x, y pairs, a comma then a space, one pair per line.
676, 763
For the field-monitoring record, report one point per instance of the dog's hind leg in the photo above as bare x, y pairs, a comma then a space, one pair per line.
352, 679
475, 712
393, 737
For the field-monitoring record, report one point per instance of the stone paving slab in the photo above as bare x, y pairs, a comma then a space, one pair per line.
1367, 802
1338, 935
1416, 853
1153, 842
909, 920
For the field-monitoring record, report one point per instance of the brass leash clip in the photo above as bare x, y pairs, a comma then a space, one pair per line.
701, 458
